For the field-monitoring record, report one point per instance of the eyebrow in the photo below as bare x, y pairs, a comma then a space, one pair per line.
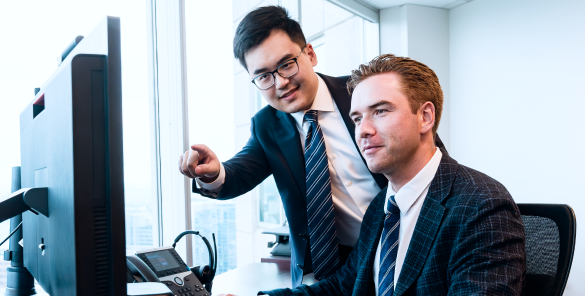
279, 62
373, 106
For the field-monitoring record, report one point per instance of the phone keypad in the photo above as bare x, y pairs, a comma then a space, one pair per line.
191, 287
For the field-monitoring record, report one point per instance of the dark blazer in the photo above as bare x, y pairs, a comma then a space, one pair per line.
468, 240
275, 148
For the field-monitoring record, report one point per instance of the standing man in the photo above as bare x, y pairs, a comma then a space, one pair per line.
304, 138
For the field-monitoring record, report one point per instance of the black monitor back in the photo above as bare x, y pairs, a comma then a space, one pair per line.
71, 142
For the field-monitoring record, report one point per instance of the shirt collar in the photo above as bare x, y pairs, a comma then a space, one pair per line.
409, 193
323, 102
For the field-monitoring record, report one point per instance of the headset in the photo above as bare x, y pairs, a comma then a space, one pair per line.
207, 273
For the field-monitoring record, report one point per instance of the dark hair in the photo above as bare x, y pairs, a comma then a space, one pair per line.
259, 24
419, 83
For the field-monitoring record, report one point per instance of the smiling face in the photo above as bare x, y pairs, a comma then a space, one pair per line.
390, 136
292, 94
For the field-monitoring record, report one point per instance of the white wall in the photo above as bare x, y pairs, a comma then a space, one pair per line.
421, 33
517, 101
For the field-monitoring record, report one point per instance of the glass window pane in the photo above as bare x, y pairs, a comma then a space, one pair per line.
344, 54
312, 21
333, 15
30, 53
211, 119
270, 204
319, 47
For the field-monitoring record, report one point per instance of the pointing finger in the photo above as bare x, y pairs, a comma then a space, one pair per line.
192, 162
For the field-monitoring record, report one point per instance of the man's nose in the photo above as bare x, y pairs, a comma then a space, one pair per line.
279, 81
364, 129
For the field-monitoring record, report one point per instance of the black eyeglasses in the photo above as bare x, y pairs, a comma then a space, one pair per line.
285, 70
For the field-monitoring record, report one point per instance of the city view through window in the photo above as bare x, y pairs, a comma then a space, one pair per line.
29, 61
221, 101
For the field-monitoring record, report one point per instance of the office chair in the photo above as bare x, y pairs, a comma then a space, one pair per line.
550, 242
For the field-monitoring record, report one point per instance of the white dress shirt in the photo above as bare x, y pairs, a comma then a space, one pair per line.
352, 185
410, 199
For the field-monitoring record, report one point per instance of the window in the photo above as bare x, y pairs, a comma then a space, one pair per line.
327, 27
32, 41
270, 211
211, 120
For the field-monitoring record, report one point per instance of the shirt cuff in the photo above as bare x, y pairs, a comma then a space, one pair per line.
217, 184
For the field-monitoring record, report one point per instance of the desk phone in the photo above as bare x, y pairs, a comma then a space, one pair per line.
171, 270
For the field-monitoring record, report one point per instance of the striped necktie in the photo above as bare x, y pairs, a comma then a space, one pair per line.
389, 249
322, 233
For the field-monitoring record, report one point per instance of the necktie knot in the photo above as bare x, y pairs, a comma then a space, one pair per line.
392, 206
311, 115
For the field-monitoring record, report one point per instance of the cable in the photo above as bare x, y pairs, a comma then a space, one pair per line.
12, 233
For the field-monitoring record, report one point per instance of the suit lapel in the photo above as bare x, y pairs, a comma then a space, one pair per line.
377, 225
287, 136
338, 90
428, 224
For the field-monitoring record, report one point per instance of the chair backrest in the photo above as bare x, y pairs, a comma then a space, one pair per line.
550, 243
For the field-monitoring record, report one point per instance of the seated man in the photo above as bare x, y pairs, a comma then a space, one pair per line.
439, 228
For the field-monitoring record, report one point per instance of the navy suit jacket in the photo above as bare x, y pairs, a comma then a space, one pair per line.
275, 148
468, 240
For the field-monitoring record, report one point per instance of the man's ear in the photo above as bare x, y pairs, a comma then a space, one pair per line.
311, 53
427, 115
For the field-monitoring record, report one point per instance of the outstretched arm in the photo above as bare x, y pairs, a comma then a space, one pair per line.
244, 171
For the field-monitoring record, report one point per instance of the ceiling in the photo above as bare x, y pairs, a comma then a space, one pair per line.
381, 4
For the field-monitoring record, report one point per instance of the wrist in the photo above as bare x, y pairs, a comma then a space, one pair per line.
209, 179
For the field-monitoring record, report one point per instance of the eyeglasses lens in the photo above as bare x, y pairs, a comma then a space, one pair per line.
264, 81
288, 69
285, 70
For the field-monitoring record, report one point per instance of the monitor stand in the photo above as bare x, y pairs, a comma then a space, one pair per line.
19, 280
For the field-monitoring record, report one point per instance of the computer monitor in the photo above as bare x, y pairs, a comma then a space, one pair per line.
71, 142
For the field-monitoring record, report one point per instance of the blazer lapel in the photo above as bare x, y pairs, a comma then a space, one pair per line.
338, 90
428, 224
366, 268
287, 136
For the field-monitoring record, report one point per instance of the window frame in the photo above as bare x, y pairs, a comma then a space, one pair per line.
168, 120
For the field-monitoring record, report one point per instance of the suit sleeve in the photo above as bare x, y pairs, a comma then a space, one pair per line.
345, 279
244, 171
490, 257
339, 283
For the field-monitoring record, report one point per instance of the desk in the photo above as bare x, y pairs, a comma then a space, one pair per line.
254, 277
247, 280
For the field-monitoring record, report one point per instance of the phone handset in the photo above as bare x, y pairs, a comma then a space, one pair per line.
138, 271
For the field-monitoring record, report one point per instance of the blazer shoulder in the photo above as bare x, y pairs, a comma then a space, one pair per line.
480, 182
266, 114
472, 187
335, 83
